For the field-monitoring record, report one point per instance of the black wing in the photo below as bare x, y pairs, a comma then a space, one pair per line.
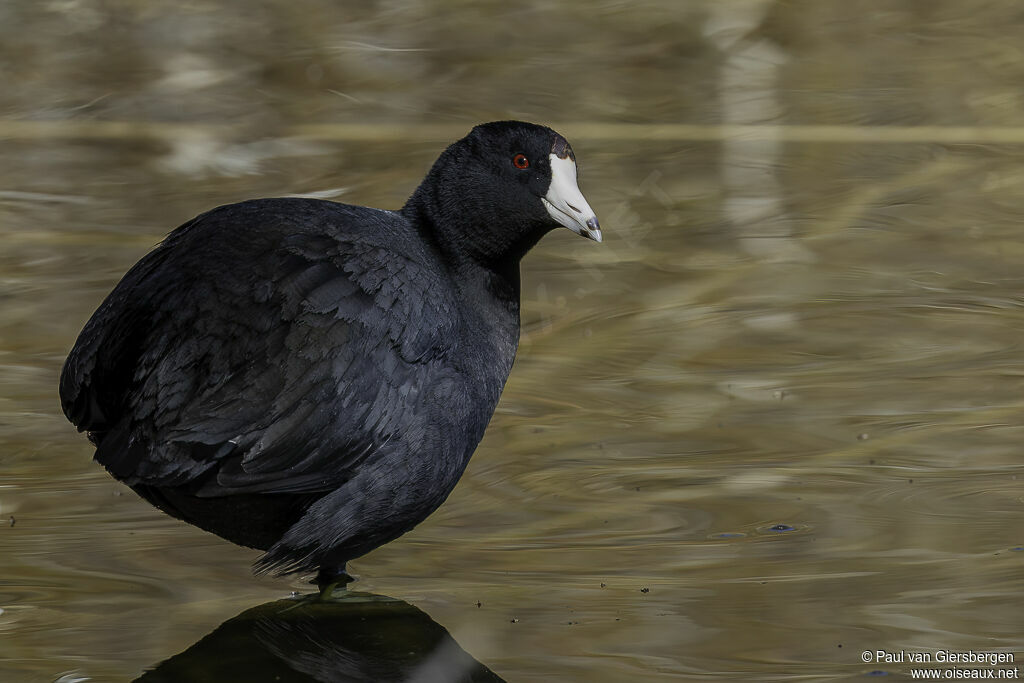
269, 346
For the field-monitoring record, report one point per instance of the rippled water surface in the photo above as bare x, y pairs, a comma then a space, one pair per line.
773, 421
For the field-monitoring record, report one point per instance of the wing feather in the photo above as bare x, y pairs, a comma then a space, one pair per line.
279, 366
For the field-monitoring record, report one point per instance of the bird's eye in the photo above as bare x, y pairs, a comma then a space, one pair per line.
520, 161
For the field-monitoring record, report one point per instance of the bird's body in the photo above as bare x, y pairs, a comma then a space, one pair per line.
311, 378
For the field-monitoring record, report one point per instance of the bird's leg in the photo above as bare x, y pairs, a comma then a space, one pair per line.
331, 578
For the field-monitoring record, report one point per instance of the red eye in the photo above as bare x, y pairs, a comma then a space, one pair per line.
520, 161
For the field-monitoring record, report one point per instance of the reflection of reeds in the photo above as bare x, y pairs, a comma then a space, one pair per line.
384, 132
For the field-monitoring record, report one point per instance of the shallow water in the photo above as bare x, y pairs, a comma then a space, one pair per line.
772, 422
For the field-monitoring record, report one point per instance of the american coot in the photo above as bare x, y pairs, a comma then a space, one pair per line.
310, 378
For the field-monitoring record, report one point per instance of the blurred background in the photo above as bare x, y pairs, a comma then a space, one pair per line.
773, 421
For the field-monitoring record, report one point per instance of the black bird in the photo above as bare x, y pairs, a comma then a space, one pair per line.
310, 378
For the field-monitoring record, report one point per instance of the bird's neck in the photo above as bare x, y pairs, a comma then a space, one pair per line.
468, 248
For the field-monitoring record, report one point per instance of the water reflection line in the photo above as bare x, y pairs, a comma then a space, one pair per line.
970, 419
655, 132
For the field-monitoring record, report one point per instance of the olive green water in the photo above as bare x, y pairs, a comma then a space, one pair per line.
775, 420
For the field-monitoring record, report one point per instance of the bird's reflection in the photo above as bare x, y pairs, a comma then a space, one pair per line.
354, 637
